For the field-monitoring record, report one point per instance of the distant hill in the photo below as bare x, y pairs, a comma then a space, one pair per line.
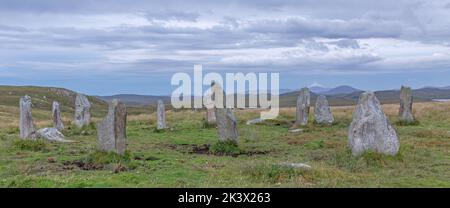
317, 89
136, 100
341, 90
43, 97
385, 96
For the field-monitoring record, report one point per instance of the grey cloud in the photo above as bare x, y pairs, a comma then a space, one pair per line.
172, 15
279, 24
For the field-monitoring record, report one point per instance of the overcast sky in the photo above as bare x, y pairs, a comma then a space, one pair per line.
113, 46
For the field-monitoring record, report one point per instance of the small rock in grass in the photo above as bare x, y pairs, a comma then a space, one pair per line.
296, 165
254, 121
295, 130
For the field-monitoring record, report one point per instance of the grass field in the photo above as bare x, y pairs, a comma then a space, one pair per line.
179, 157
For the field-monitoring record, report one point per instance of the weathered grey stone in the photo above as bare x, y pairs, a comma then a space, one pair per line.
370, 129
296, 165
82, 111
322, 111
211, 116
210, 113
225, 119
56, 114
295, 130
51, 134
26, 125
255, 121
227, 125
303, 105
406, 103
161, 115
111, 131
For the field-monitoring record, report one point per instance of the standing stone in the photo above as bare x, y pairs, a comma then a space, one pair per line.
161, 115
303, 104
370, 129
82, 108
406, 103
227, 125
210, 116
210, 112
112, 131
322, 111
225, 119
56, 114
26, 125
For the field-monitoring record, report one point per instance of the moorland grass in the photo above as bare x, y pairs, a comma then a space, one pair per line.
166, 159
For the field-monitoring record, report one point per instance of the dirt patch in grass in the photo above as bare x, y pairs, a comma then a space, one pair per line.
205, 149
70, 165
150, 158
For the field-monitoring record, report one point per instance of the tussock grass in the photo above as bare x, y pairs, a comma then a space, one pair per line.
164, 159
225, 148
31, 145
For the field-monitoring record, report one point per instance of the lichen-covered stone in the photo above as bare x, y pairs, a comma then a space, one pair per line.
303, 106
225, 119
226, 124
406, 103
26, 125
51, 134
161, 115
82, 111
56, 115
112, 129
322, 111
370, 129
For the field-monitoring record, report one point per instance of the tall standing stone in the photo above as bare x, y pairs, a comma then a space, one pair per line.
161, 115
322, 111
111, 131
210, 112
26, 125
226, 124
303, 105
56, 114
82, 111
225, 119
210, 116
370, 129
406, 103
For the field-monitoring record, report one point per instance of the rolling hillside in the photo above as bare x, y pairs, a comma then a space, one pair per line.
136, 100
43, 97
385, 97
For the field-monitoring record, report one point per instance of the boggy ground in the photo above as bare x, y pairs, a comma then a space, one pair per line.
181, 156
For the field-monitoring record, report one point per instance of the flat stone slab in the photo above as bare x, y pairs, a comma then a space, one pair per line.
51, 134
254, 121
296, 165
295, 130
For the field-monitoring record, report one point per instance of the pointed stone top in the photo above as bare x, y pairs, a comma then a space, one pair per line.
26, 98
115, 102
403, 86
321, 97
